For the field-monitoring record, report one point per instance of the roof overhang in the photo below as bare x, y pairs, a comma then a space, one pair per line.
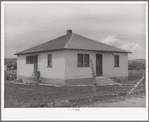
104, 51
101, 51
36, 52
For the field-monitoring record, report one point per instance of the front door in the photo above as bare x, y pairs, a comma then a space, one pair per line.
35, 59
98, 64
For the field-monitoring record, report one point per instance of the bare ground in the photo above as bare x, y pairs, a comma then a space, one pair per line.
19, 95
128, 102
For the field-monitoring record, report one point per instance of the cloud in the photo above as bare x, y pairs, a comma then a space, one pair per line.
123, 44
31, 24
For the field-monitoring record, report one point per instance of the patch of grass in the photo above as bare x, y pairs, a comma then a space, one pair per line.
17, 95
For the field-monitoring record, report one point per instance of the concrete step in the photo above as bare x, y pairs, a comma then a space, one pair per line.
101, 78
109, 84
31, 82
104, 81
108, 80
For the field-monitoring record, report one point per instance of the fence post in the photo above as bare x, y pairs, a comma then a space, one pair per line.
94, 80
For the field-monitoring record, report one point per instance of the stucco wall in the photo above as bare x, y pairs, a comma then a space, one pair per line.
64, 65
108, 65
57, 70
74, 72
23, 69
71, 69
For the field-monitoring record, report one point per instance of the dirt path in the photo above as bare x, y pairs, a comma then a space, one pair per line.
130, 102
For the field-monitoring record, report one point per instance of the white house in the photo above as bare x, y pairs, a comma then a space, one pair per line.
66, 60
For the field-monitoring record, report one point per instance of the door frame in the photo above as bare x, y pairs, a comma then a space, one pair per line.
101, 73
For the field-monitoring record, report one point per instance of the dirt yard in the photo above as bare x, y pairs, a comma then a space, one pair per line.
137, 101
18, 95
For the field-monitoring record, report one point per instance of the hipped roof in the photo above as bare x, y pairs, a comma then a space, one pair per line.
74, 42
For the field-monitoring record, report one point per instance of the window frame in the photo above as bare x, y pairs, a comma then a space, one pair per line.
116, 61
49, 66
83, 61
28, 60
78, 60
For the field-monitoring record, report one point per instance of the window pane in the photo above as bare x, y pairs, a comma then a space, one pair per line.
31, 59
80, 60
35, 58
49, 60
27, 60
116, 58
86, 60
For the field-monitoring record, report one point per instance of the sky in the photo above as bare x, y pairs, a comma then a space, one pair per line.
119, 25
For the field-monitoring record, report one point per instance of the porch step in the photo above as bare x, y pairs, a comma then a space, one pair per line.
104, 81
31, 82
110, 84
102, 77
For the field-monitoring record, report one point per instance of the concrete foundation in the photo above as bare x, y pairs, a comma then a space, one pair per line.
54, 81
83, 81
67, 82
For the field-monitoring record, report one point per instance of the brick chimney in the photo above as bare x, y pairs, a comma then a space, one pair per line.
69, 31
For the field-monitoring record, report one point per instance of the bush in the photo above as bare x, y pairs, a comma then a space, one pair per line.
18, 80
135, 73
136, 66
11, 77
12, 65
10, 74
6, 77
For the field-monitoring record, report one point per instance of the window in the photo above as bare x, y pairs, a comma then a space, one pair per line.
83, 60
29, 60
80, 60
49, 60
116, 61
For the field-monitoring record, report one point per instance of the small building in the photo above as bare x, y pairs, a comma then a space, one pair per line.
66, 60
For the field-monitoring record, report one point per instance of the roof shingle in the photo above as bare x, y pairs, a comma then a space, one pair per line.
72, 41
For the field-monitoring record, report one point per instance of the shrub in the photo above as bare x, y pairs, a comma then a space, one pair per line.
6, 77
136, 66
18, 80
135, 73
12, 65
11, 76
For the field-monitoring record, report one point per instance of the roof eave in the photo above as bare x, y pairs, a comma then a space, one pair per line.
71, 49
98, 50
38, 51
